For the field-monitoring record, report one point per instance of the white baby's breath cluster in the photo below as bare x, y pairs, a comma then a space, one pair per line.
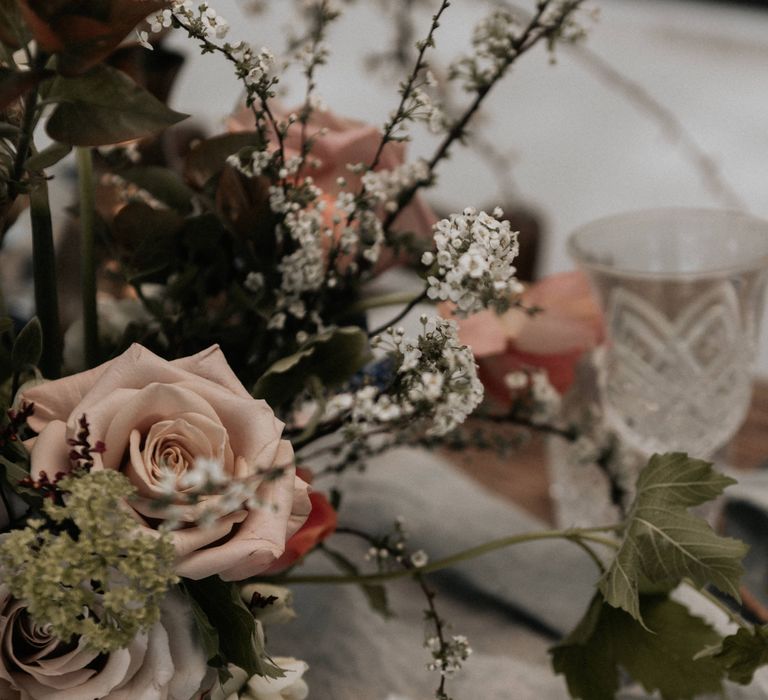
436, 376
386, 186
493, 41
449, 656
473, 265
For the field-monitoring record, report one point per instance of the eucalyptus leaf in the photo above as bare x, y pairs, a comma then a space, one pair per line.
28, 346
608, 642
47, 157
333, 357
663, 543
743, 653
104, 106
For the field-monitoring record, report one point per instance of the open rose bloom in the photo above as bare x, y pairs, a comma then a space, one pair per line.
157, 418
164, 663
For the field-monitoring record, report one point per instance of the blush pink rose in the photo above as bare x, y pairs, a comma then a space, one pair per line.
554, 340
347, 142
153, 415
165, 663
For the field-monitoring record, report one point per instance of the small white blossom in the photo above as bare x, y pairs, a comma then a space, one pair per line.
546, 401
473, 266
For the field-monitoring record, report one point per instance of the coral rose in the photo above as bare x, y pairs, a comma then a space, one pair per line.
158, 418
165, 663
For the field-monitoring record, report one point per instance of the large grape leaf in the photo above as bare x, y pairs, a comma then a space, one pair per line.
608, 641
663, 543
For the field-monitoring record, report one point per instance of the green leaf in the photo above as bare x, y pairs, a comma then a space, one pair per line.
238, 642
608, 641
375, 593
13, 472
104, 106
163, 184
333, 357
743, 653
47, 157
663, 543
28, 346
207, 634
6, 325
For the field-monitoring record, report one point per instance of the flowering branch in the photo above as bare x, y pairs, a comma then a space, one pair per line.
535, 30
571, 535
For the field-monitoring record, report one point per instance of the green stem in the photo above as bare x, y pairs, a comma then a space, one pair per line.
88, 257
44, 268
585, 535
733, 616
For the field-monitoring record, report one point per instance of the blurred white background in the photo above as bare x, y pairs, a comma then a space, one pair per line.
581, 147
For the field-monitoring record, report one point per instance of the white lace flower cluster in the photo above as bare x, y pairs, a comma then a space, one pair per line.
436, 379
386, 186
473, 266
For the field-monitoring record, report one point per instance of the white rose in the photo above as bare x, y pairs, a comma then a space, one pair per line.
290, 687
165, 663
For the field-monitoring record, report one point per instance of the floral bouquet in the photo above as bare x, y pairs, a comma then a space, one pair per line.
157, 459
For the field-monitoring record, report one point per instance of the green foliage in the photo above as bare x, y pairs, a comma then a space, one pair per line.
608, 641
88, 554
663, 543
227, 627
104, 106
146, 238
743, 653
332, 357
28, 346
